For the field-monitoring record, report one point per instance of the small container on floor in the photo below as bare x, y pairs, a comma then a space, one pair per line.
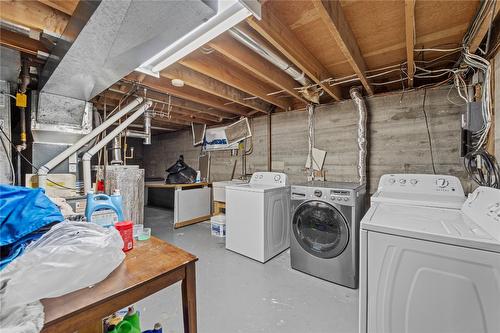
218, 225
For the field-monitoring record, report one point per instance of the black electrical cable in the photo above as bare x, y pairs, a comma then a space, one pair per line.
483, 168
34, 167
428, 131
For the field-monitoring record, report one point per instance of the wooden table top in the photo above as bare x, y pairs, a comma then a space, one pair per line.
160, 184
148, 260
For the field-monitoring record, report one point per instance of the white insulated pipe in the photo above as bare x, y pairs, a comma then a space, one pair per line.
357, 98
44, 170
87, 178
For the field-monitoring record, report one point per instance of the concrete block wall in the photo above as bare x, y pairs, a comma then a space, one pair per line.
397, 140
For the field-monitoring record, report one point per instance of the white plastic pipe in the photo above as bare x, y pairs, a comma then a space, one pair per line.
87, 179
44, 170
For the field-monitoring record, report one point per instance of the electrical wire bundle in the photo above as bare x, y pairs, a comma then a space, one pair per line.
483, 168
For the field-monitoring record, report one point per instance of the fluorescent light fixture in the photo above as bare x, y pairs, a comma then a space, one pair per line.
231, 12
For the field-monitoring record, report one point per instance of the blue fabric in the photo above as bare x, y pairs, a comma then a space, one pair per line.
24, 210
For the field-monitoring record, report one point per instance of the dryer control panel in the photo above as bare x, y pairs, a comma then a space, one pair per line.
417, 183
269, 178
334, 196
422, 190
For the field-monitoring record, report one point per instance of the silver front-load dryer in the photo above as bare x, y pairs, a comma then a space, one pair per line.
324, 238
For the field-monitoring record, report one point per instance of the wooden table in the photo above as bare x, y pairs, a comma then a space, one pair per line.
151, 266
190, 202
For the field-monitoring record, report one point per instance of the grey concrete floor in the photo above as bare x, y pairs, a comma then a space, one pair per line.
238, 294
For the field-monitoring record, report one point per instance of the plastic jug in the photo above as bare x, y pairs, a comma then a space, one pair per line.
97, 202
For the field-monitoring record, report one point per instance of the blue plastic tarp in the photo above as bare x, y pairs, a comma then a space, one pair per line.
23, 211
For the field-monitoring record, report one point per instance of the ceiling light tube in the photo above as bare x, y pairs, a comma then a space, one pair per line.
215, 26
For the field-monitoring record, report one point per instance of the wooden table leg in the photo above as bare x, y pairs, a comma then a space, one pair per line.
189, 299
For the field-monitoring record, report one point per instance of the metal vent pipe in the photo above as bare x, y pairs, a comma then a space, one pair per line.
357, 98
269, 55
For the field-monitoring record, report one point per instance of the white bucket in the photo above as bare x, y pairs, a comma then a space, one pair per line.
218, 225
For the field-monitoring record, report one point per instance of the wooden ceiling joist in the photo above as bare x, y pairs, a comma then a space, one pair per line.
65, 6
209, 85
179, 113
163, 85
34, 15
282, 38
180, 103
21, 43
483, 28
333, 17
231, 75
232, 49
410, 39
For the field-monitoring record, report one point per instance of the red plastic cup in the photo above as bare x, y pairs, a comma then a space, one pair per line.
126, 230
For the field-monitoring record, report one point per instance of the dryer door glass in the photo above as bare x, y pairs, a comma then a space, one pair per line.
320, 229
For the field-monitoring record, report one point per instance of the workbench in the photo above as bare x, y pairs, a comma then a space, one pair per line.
190, 202
150, 266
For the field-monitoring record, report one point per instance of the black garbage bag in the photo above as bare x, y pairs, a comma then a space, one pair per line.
180, 173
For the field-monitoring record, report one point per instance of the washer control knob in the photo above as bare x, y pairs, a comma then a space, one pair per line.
441, 182
346, 199
339, 199
413, 181
392, 180
402, 181
277, 178
318, 193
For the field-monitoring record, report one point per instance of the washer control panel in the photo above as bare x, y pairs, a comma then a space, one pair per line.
269, 178
334, 196
416, 183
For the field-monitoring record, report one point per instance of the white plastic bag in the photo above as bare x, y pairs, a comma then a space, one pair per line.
71, 256
27, 318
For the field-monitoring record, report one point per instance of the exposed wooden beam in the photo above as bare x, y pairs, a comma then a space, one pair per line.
483, 28
216, 67
209, 85
282, 38
410, 39
175, 118
33, 14
232, 49
164, 85
65, 6
20, 42
333, 17
194, 108
163, 102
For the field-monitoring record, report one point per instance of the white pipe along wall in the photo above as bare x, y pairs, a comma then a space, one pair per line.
87, 179
44, 170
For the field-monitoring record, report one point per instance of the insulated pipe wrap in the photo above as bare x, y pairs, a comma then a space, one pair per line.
357, 98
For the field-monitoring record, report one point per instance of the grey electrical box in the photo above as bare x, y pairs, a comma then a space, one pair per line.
473, 119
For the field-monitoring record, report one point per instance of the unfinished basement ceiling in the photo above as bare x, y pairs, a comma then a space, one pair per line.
347, 41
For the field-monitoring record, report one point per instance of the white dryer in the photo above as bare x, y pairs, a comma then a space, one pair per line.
426, 266
258, 216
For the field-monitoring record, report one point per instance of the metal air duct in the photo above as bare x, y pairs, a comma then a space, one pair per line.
269, 55
105, 40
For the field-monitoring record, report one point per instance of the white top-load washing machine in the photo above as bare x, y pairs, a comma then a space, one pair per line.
258, 216
425, 265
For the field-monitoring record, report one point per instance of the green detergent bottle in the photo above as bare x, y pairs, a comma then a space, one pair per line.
130, 324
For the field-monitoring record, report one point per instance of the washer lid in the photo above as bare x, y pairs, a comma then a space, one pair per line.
254, 188
428, 223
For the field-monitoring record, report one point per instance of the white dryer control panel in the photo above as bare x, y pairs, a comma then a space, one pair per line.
415, 183
421, 189
483, 207
269, 178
